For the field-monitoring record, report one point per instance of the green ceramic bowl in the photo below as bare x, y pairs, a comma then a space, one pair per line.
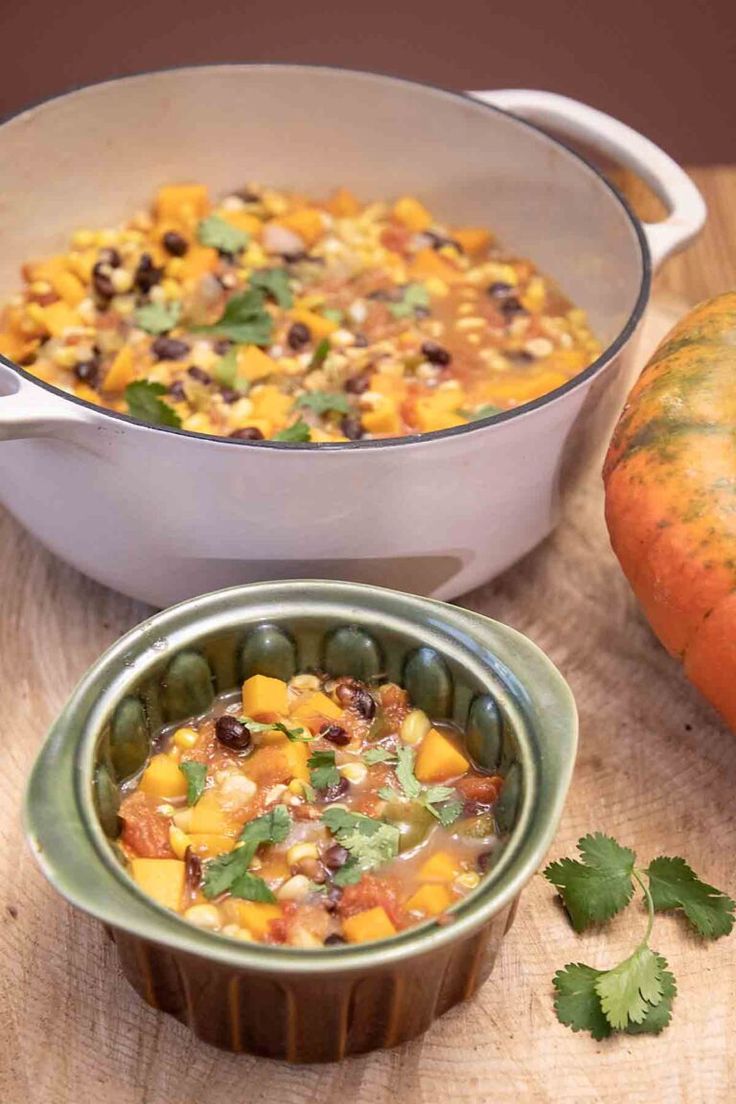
303, 1005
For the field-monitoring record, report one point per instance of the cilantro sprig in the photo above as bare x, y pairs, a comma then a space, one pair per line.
323, 771
296, 433
635, 996
158, 318
229, 873
300, 734
414, 297
370, 842
221, 235
244, 320
196, 776
323, 401
436, 799
144, 402
274, 282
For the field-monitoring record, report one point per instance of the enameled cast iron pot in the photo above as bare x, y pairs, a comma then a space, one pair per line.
321, 1004
163, 515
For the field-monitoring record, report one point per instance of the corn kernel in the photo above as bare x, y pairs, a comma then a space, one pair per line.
65, 356
294, 889
296, 787
203, 916
84, 239
354, 772
183, 819
121, 280
179, 841
186, 737
301, 851
414, 727
467, 881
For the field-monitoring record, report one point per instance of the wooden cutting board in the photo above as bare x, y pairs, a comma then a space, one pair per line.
655, 769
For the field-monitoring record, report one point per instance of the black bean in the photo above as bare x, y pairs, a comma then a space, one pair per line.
499, 290
168, 348
176, 389
435, 353
293, 258
483, 862
332, 898
336, 734
229, 395
352, 694
357, 385
175, 244
512, 306
520, 356
334, 793
232, 733
439, 241
146, 274
334, 940
298, 336
192, 869
222, 345
88, 372
248, 433
101, 282
335, 856
199, 374
110, 257
352, 427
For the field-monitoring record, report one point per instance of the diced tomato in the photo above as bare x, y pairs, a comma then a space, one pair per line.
483, 788
396, 238
368, 893
145, 830
395, 704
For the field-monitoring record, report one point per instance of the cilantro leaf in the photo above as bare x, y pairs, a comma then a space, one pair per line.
414, 297
309, 792
388, 793
320, 354
405, 776
299, 735
348, 874
196, 776
674, 885
222, 873
251, 888
485, 411
274, 282
243, 320
627, 991
157, 318
432, 794
597, 888
145, 403
657, 1016
448, 813
378, 755
221, 235
297, 432
271, 827
322, 401
577, 1003
370, 842
323, 772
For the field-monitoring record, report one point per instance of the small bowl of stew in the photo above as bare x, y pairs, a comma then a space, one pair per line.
305, 810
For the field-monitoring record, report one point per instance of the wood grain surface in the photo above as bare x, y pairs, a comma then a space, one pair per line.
656, 769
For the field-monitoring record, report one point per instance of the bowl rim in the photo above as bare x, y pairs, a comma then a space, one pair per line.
59, 790
587, 374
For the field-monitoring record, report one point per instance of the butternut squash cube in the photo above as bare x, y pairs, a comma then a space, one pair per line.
412, 214
296, 755
121, 372
374, 923
209, 818
262, 694
306, 222
270, 403
441, 867
256, 916
438, 759
161, 879
58, 317
318, 326
473, 239
242, 220
393, 387
162, 778
316, 706
198, 260
68, 286
207, 845
383, 418
430, 899
254, 364
182, 203
343, 204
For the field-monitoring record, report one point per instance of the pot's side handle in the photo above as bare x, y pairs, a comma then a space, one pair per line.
570, 118
27, 410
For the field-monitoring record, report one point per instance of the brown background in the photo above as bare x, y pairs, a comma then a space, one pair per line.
667, 68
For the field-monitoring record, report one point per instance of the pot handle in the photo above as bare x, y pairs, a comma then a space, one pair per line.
27, 410
570, 118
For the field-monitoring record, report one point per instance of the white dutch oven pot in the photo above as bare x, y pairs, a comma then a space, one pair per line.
162, 515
